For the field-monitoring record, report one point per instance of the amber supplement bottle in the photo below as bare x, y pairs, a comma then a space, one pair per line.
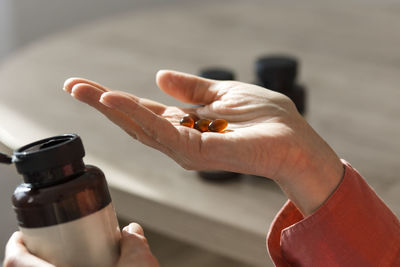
218, 74
64, 208
278, 73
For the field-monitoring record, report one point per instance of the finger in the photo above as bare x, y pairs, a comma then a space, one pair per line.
134, 228
187, 88
133, 239
135, 250
90, 92
15, 244
18, 255
135, 129
154, 106
90, 95
71, 82
155, 126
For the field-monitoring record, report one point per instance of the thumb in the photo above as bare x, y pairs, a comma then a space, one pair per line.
134, 228
135, 250
187, 88
133, 239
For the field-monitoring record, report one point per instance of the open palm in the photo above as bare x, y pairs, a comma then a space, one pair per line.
259, 130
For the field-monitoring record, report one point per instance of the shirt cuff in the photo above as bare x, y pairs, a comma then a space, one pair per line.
352, 228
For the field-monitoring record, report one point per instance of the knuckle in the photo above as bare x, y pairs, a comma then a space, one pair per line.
132, 134
150, 259
138, 227
153, 133
143, 239
186, 165
11, 261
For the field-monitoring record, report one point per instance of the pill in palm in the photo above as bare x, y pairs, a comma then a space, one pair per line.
217, 125
193, 116
187, 121
202, 125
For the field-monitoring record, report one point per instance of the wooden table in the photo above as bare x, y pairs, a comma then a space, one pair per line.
350, 62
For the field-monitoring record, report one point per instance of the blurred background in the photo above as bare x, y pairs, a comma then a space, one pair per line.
23, 22
349, 67
26, 22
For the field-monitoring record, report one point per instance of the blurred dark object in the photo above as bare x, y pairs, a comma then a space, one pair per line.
278, 73
218, 74
221, 74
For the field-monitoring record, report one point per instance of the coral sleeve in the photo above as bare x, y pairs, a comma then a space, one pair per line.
353, 227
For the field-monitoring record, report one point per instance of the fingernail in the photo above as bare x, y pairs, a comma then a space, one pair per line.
103, 101
128, 229
131, 228
125, 231
66, 83
73, 90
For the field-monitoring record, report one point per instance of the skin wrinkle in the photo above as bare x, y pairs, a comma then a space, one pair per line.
218, 155
195, 93
145, 138
215, 93
163, 148
270, 154
202, 148
151, 132
199, 145
125, 121
212, 154
130, 132
293, 148
259, 156
194, 96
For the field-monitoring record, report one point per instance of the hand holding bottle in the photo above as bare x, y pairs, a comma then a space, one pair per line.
135, 251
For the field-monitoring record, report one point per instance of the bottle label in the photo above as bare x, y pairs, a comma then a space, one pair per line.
89, 241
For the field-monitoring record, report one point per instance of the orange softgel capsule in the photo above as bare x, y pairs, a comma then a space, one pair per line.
202, 125
194, 117
187, 121
218, 125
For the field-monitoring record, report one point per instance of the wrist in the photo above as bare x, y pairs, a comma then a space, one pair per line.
312, 173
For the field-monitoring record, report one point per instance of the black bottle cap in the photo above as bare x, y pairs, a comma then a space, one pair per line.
6, 159
298, 96
216, 73
49, 153
277, 72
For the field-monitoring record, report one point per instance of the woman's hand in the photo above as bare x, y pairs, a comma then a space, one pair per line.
135, 251
18, 256
266, 136
259, 135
